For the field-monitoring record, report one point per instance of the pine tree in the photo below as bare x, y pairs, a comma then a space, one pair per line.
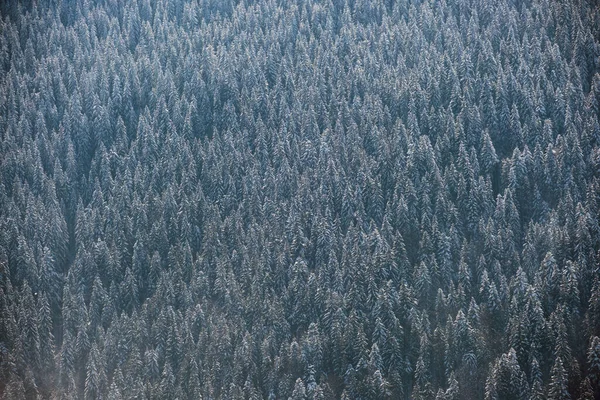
506, 380
14, 389
586, 391
452, 392
95, 380
558, 388
299, 392
593, 360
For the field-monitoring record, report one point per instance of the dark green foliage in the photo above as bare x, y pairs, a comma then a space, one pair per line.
558, 384
299, 199
506, 379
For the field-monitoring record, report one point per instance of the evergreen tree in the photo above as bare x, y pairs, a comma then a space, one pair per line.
558, 388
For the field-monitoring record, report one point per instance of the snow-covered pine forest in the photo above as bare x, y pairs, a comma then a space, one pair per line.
300, 199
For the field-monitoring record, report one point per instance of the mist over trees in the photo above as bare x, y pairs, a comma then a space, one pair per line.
306, 200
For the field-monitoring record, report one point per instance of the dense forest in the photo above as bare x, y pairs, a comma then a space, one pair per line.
300, 199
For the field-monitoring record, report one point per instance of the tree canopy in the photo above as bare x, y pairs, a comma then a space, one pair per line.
321, 199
